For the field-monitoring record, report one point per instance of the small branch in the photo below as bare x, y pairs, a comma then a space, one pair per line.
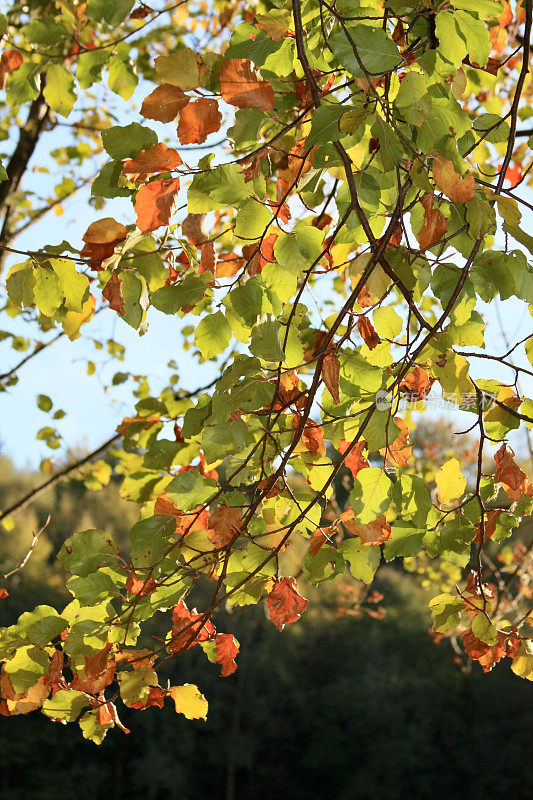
28, 554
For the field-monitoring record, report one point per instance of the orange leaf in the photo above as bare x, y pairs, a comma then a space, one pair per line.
241, 85
417, 383
158, 158
197, 120
187, 630
399, 452
223, 525
513, 479
227, 651
354, 461
313, 438
330, 376
155, 204
285, 603
113, 293
9, 62
458, 188
319, 538
434, 226
375, 532
164, 103
15, 703
101, 238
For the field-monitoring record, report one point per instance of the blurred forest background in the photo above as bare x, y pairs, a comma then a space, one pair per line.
356, 701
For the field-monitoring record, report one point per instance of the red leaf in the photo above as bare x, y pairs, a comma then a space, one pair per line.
319, 538
285, 604
227, 651
158, 158
113, 293
330, 376
241, 85
3, 594
139, 586
164, 103
197, 120
155, 204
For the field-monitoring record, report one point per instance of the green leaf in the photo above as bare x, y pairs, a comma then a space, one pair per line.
113, 13
26, 667
179, 69
123, 78
59, 91
20, 284
91, 728
135, 685
212, 335
324, 566
73, 285
387, 322
325, 125
47, 294
364, 560
44, 403
299, 249
446, 610
149, 539
127, 141
406, 541
371, 495
190, 490
252, 220
90, 66
377, 52
85, 552
266, 341
65, 704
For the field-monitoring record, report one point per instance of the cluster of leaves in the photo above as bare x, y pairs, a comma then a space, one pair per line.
336, 255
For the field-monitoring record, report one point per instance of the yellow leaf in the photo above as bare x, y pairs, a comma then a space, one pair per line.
189, 701
450, 481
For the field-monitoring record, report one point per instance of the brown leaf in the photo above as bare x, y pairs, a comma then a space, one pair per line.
164, 103
207, 258
458, 188
223, 525
241, 85
368, 332
197, 120
98, 673
487, 654
113, 294
491, 518
193, 228
312, 437
285, 603
513, 479
158, 158
155, 204
434, 226
330, 376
